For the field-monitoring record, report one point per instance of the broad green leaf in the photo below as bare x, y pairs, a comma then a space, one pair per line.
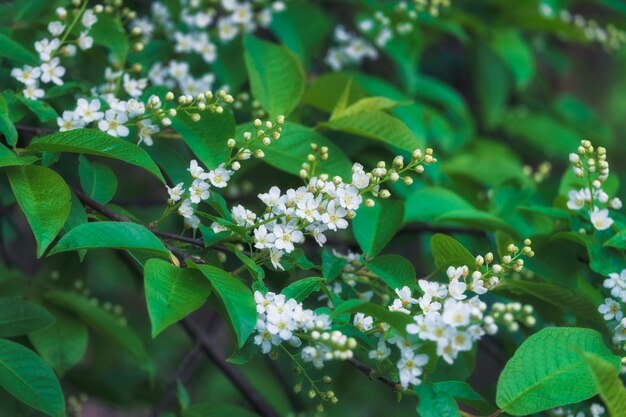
491, 83
448, 251
291, 150
44, 197
618, 241
534, 378
464, 393
541, 132
374, 227
515, 52
42, 109
62, 344
570, 299
10, 159
237, 299
95, 142
97, 181
216, 410
608, 383
426, 204
29, 379
104, 323
172, 293
108, 32
208, 136
434, 403
332, 266
7, 128
302, 288
277, 78
113, 235
378, 126
15, 51
18, 317
325, 91
477, 219
366, 104
395, 270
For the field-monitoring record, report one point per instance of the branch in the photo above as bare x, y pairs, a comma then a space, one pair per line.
371, 374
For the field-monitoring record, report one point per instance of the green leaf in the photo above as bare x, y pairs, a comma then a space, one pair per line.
395, 319
113, 235
44, 197
534, 378
29, 379
302, 288
332, 266
7, 128
514, 51
97, 181
18, 317
10, 159
448, 251
378, 126
290, 151
95, 142
434, 403
374, 227
395, 270
608, 383
426, 204
491, 83
478, 219
62, 344
172, 293
208, 136
277, 78
618, 241
42, 109
237, 298
104, 323
462, 392
366, 104
15, 51
108, 32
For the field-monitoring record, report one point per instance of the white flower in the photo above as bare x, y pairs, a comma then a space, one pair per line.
88, 110
456, 313
275, 257
576, 199
363, 322
610, 310
242, 216
69, 121
192, 222
285, 237
600, 219
597, 410
226, 29
185, 209
145, 131
46, 47
478, 285
433, 289
33, 92
410, 368
457, 288
56, 28
264, 338
334, 216
134, 88
457, 273
360, 179
272, 198
219, 176
85, 41
405, 296
52, 72
349, 197
89, 18
381, 352
113, 123
26, 75
196, 170
184, 43
615, 203
262, 238
176, 193
199, 191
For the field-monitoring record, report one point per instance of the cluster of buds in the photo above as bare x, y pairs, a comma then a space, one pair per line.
488, 273
433, 7
611, 38
264, 134
191, 105
319, 153
595, 160
511, 314
540, 174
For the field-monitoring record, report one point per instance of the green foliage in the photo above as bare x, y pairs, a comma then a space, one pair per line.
29, 379
610, 386
98, 181
374, 227
546, 361
302, 288
395, 270
172, 293
19, 317
449, 252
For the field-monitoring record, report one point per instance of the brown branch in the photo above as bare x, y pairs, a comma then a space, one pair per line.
371, 374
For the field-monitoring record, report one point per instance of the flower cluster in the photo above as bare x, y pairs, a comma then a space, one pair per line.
285, 320
594, 410
511, 314
611, 38
591, 164
350, 49
613, 307
49, 49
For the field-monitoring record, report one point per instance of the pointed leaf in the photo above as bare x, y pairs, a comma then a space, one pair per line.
18, 317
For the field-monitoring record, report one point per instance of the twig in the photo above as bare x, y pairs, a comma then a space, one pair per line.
371, 374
